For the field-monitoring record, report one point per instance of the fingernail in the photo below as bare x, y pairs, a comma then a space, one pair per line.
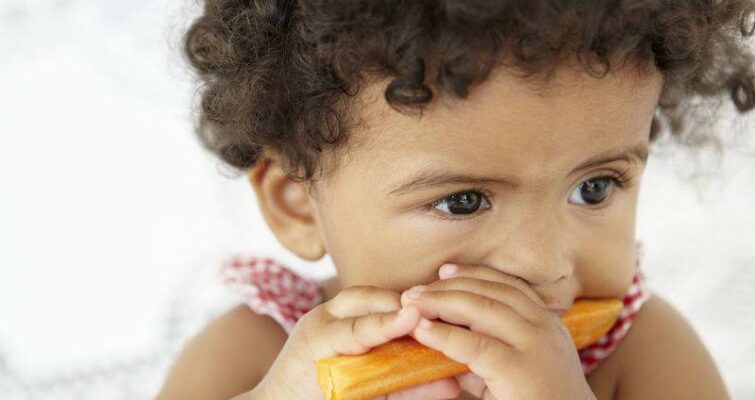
425, 323
448, 270
415, 292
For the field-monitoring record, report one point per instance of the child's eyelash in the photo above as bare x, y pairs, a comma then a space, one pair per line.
622, 179
486, 194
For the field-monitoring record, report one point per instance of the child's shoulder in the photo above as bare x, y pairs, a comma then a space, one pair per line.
229, 356
661, 357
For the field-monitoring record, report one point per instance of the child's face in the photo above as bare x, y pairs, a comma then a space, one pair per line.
537, 225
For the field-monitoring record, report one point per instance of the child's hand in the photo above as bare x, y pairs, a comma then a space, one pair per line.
357, 319
515, 347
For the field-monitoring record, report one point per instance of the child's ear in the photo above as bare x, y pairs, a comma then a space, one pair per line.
287, 208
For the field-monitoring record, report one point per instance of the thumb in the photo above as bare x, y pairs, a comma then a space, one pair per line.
436, 390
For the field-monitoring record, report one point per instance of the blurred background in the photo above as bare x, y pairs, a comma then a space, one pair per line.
114, 221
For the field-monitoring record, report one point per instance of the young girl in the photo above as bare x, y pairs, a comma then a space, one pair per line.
487, 155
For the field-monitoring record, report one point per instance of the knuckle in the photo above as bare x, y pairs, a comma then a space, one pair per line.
385, 321
356, 290
488, 304
350, 342
487, 351
481, 346
363, 333
330, 308
354, 327
358, 328
447, 336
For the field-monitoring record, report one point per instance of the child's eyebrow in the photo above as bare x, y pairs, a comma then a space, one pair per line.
429, 178
636, 153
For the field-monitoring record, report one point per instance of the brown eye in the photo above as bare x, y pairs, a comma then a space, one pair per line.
462, 203
592, 191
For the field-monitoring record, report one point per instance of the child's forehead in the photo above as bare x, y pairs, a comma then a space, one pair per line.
507, 119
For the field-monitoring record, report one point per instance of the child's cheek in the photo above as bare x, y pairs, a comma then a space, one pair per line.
420, 244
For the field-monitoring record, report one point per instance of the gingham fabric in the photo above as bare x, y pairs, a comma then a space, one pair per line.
270, 288
638, 293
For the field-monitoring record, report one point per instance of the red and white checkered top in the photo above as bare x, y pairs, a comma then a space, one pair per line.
270, 288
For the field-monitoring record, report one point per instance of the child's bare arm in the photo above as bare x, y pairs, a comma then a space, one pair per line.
667, 359
228, 357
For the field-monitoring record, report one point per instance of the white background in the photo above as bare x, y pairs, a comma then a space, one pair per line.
113, 220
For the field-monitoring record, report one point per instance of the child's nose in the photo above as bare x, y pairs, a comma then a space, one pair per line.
540, 253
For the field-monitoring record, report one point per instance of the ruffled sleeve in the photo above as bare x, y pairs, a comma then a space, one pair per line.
270, 288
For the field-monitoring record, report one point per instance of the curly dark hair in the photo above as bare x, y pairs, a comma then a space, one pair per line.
279, 73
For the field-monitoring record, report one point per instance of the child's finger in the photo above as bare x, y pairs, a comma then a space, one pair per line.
486, 356
436, 390
480, 313
357, 335
355, 301
502, 292
490, 274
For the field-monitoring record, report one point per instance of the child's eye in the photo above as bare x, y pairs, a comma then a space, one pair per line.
593, 191
462, 203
